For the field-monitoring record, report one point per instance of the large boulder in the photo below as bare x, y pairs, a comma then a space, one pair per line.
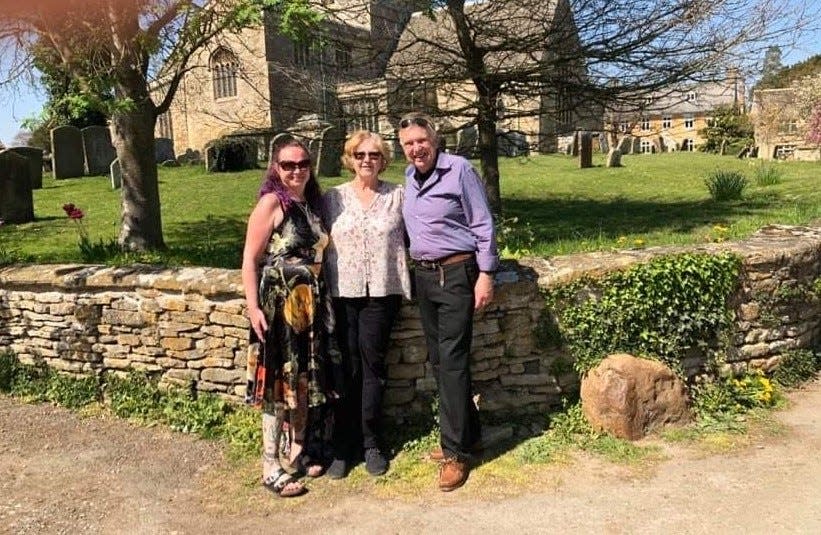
629, 397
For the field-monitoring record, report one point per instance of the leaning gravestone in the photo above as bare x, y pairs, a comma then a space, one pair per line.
116, 174
98, 150
466, 139
163, 149
279, 139
574, 147
330, 152
16, 200
604, 147
624, 144
585, 150
67, 152
35, 161
614, 158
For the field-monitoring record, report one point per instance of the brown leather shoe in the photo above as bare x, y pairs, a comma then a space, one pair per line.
436, 454
452, 474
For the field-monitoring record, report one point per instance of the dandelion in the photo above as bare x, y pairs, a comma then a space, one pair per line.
638, 243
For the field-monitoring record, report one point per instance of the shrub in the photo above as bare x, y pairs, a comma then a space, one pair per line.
726, 185
134, 396
796, 367
767, 175
732, 396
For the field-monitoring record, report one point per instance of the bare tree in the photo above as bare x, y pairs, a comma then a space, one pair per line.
121, 47
503, 62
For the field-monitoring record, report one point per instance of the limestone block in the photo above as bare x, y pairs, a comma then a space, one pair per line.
629, 397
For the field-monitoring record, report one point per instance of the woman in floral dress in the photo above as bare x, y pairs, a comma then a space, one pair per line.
289, 315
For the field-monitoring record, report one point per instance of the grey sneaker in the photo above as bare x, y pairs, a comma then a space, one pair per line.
338, 469
375, 462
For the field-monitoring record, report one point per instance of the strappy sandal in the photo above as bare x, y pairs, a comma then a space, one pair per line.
284, 484
305, 465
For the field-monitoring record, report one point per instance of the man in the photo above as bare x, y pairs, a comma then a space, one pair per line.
453, 245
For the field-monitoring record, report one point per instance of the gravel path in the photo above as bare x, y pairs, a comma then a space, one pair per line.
60, 473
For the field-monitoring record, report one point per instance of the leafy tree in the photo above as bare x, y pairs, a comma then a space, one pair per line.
118, 49
771, 67
728, 125
786, 76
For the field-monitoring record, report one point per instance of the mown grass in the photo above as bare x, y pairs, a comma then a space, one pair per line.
652, 200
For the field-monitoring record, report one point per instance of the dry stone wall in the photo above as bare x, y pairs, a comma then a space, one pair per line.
188, 325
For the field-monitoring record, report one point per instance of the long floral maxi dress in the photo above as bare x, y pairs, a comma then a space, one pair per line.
286, 371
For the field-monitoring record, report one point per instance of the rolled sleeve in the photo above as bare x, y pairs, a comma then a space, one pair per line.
479, 219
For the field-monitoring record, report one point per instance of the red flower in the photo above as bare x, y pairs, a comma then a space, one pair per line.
72, 211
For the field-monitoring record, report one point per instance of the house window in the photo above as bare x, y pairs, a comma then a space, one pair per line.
790, 126
783, 152
164, 128
624, 127
361, 114
645, 124
688, 145
646, 146
303, 55
667, 121
692, 96
224, 67
342, 57
688, 122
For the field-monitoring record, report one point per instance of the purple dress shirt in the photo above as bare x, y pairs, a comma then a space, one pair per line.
449, 213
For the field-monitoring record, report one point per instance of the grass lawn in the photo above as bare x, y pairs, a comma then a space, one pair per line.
560, 209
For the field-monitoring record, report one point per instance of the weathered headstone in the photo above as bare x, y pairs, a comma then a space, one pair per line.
670, 144
614, 158
98, 150
116, 174
34, 156
189, 156
624, 144
67, 157
574, 147
657, 145
585, 150
466, 139
210, 158
635, 148
16, 199
519, 143
163, 149
313, 148
604, 146
330, 152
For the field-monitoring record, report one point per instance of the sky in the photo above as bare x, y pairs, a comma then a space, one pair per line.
22, 102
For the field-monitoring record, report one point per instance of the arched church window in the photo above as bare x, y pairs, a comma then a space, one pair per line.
224, 66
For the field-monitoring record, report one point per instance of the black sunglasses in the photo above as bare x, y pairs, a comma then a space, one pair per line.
418, 121
371, 155
293, 166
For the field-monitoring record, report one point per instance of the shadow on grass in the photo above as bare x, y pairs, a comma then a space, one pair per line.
213, 241
561, 219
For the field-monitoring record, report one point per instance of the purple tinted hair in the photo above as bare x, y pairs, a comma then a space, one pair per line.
273, 182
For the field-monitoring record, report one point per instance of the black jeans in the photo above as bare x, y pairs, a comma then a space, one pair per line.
446, 300
363, 327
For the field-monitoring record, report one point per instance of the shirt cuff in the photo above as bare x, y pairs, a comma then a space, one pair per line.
488, 263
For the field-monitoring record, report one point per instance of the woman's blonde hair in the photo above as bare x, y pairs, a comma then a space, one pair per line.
355, 139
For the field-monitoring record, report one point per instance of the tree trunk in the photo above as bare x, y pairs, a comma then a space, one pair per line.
489, 149
132, 132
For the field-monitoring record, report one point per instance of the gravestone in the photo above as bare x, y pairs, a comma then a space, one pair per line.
313, 149
512, 143
466, 139
604, 146
574, 147
163, 150
34, 156
98, 150
330, 152
658, 145
116, 174
210, 158
624, 144
614, 158
279, 139
585, 150
67, 157
16, 199
635, 148
670, 144
189, 157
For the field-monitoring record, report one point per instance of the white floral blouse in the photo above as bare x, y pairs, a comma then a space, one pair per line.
367, 255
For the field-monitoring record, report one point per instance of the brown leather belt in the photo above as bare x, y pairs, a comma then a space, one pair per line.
445, 261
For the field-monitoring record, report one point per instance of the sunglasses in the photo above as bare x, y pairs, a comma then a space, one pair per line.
293, 166
371, 155
418, 121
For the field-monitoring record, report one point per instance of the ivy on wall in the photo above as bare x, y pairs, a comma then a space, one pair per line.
659, 309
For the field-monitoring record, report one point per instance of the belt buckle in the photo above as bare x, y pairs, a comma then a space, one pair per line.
428, 264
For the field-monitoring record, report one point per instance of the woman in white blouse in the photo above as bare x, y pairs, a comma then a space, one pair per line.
367, 274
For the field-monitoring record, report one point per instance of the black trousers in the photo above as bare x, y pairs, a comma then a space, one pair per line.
446, 300
363, 327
